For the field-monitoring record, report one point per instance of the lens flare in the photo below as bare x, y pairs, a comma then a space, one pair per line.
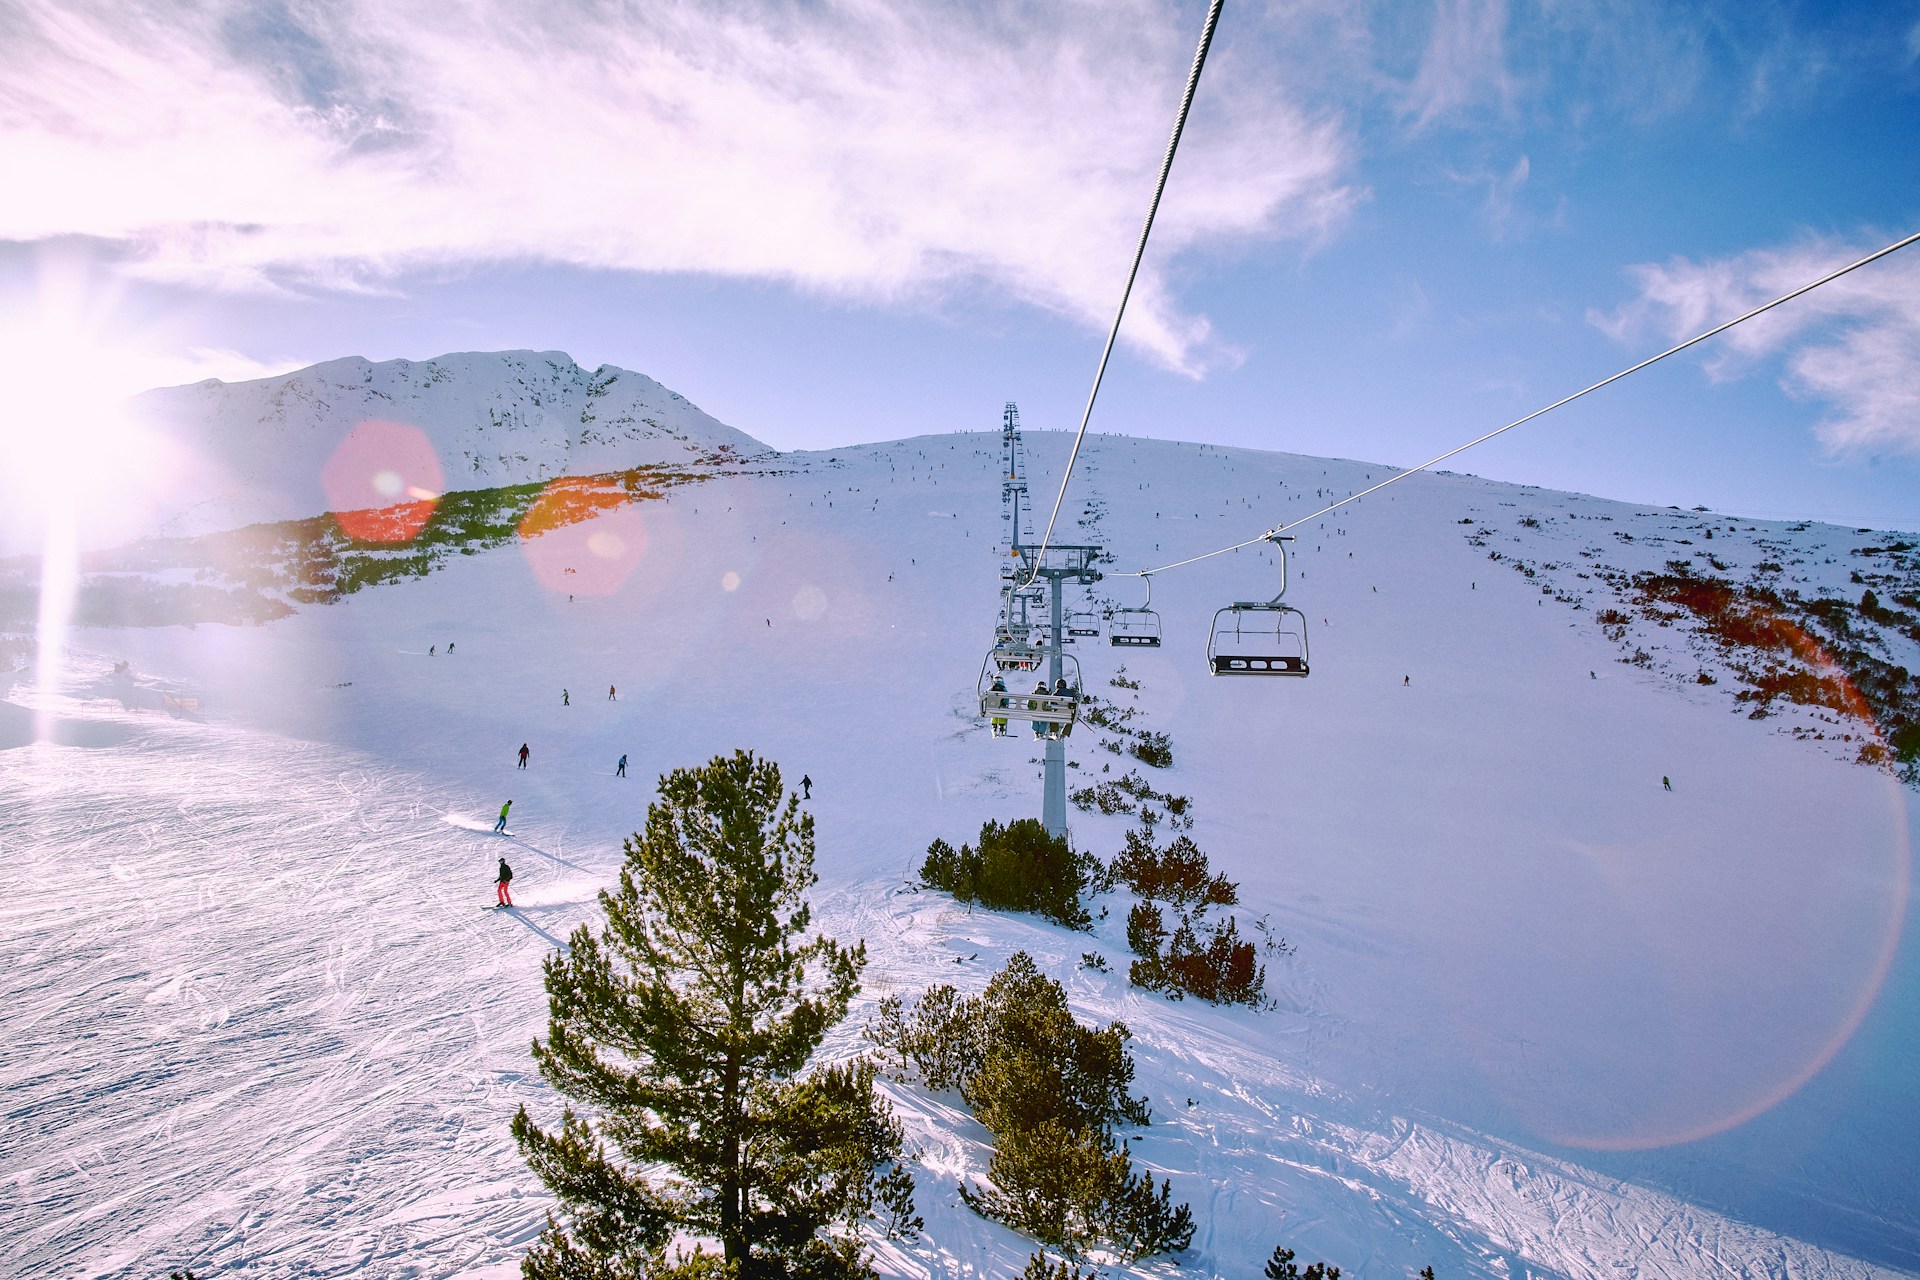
809, 603
376, 464
583, 536
1687, 1001
79, 472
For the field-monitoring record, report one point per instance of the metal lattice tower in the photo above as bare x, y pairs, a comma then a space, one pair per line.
1015, 516
1040, 592
1013, 480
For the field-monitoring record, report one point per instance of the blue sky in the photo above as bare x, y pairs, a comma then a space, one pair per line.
1392, 226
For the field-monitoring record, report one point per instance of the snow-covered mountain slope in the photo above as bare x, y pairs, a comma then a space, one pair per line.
1545, 1017
317, 439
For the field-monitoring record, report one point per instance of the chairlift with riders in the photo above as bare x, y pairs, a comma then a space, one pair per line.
1050, 706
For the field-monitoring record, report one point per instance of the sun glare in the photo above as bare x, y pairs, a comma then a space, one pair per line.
78, 472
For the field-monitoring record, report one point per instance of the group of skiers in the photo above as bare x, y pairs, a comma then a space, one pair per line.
1041, 729
505, 875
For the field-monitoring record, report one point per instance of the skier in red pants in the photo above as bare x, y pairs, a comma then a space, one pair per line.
500, 890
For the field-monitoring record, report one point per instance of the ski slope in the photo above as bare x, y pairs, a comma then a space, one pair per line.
1545, 1017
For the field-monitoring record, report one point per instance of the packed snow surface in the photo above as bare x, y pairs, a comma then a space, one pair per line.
1545, 1016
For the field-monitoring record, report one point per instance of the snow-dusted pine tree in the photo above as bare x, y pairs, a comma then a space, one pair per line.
682, 1029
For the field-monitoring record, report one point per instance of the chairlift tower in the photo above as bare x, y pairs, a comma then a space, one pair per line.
1017, 611
1061, 565
1013, 478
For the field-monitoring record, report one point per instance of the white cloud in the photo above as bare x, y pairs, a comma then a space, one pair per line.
854, 147
1853, 344
1464, 63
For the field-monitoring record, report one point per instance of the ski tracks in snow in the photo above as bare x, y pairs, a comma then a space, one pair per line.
250, 1016
1267, 1152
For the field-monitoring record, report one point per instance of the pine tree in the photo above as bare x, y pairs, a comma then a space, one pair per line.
1280, 1267
683, 1027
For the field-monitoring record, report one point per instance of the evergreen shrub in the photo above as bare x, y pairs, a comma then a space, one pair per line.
1178, 873
1052, 1093
1018, 867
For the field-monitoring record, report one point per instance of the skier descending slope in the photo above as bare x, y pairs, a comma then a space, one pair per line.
523, 755
501, 825
500, 888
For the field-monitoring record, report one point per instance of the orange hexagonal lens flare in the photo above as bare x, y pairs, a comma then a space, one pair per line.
383, 482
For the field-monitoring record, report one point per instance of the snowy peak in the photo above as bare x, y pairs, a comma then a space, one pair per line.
261, 450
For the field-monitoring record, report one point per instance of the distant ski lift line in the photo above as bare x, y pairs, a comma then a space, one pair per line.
1829, 278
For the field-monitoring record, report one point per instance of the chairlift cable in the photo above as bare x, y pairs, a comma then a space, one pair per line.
1146, 229
1829, 278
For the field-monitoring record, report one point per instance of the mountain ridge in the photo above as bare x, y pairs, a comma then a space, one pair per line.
293, 445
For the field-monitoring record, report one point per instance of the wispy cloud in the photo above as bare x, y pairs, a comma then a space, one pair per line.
870, 150
1853, 345
1464, 63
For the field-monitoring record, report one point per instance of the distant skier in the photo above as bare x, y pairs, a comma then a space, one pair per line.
502, 824
449, 648
430, 649
620, 770
806, 787
1592, 676
610, 694
566, 699
1406, 682
523, 755
506, 878
1666, 782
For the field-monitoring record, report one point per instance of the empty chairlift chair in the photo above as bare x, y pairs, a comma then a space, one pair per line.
1260, 637
1083, 622
1135, 627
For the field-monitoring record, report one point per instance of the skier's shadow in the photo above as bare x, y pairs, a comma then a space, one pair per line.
519, 913
551, 857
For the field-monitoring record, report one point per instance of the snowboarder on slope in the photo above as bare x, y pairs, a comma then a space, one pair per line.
806, 787
1666, 782
523, 755
502, 824
620, 770
506, 876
